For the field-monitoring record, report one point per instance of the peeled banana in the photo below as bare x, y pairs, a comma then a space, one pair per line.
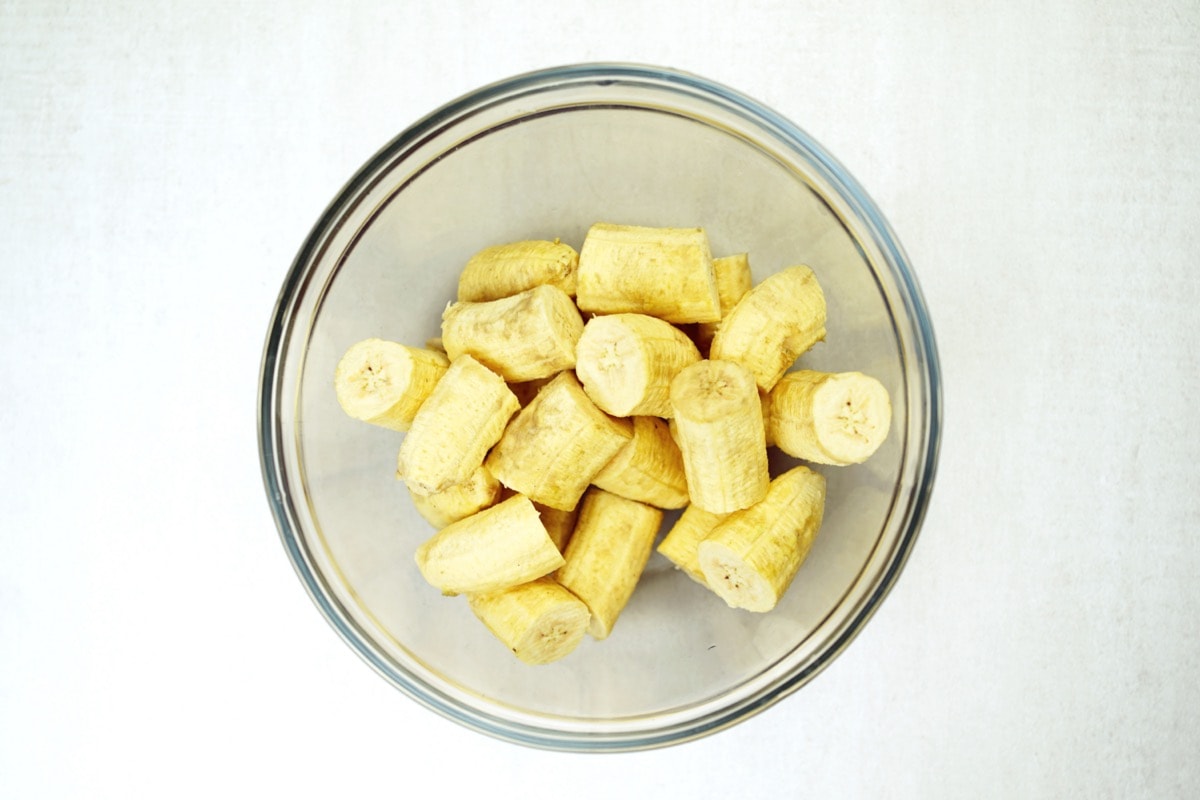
523, 337
384, 383
772, 324
507, 269
835, 418
733, 278
718, 426
626, 362
555, 445
606, 555
664, 272
750, 558
648, 469
456, 426
539, 621
498, 547
680, 544
458, 502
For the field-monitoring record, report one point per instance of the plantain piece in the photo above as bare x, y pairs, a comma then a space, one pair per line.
664, 272
539, 621
606, 555
559, 524
506, 269
385, 383
555, 446
626, 362
733, 278
772, 324
718, 426
456, 426
523, 337
836, 418
499, 547
450, 505
750, 558
648, 469
680, 543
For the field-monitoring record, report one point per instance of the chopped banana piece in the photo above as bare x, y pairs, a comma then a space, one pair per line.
507, 269
835, 418
385, 383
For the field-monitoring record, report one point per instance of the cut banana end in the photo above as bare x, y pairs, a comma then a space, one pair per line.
835, 418
680, 544
607, 553
458, 502
664, 272
626, 363
718, 426
772, 325
523, 337
507, 269
539, 621
750, 558
734, 279
385, 383
555, 446
456, 426
648, 469
499, 547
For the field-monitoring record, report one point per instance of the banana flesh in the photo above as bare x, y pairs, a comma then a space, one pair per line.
751, 557
836, 418
773, 323
606, 555
626, 362
458, 502
648, 469
555, 445
733, 278
664, 272
499, 547
718, 426
385, 383
507, 269
680, 544
539, 621
464, 415
523, 337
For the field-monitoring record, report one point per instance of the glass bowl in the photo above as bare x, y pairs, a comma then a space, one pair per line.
545, 155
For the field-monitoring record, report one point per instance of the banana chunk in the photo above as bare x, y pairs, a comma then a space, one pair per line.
664, 272
450, 505
385, 383
555, 445
499, 547
773, 323
607, 553
523, 337
836, 418
648, 469
456, 426
751, 557
626, 363
539, 621
733, 278
718, 426
507, 269
680, 544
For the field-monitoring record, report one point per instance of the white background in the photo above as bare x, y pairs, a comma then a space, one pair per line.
160, 164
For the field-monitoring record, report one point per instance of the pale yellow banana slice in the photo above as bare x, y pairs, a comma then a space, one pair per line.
555, 446
680, 544
718, 426
385, 383
607, 553
626, 362
507, 269
456, 426
526, 336
539, 621
648, 469
772, 324
664, 272
750, 558
499, 547
559, 524
458, 502
834, 418
733, 281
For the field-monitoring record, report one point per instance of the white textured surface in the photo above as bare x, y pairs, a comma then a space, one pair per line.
159, 166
